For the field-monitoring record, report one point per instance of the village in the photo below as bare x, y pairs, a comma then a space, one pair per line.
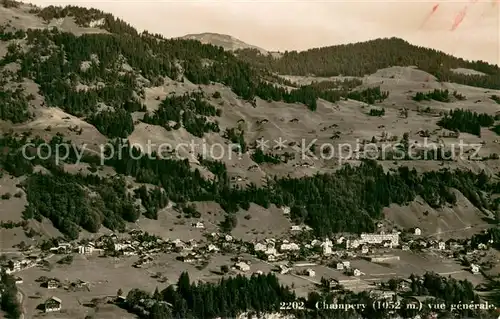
345, 262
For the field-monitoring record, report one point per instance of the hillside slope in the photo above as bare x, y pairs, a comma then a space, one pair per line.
223, 40
359, 59
66, 83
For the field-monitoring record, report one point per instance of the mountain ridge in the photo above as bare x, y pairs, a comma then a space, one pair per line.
226, 41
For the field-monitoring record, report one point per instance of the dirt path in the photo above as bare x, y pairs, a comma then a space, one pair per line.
21, 297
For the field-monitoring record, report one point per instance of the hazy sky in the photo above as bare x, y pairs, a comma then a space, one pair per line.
299, 25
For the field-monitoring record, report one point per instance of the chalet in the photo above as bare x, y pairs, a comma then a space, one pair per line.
340, 266
327, 247
295, 228
228, 238
259, 247
357, 273
422, 243
199, 225
387, 243
188, 258
364, 249
270, 250
482, 246
347, 264
52, 304
352, 244
333, 283
86, 249
284, 269
213, 248
417, 231
289, 247
379, 238
271, 258
441, 245
52, 284
474, 268
404, 285
242, 266
135, 232
62, 248
121, 246
310, 272
129, 251
179, 244
16, 265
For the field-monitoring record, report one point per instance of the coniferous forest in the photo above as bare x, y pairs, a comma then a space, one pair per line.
263, 294
350, 199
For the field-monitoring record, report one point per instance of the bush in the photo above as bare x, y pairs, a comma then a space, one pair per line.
6, 196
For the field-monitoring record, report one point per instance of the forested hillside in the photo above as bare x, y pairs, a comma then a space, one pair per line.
349, 200
60, 63
364, 58
102, 79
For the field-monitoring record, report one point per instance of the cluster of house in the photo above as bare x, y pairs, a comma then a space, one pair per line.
195, 251
15, 265
278, 250
366, 240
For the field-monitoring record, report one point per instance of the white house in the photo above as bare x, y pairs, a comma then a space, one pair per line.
213, 248
474, 268
441, 245
352, 243
271, 258
178, 243
364, 249
417, 231
53, 304
121, 246
327, 247
379, 238
310, 272
295, 228
242, 266
289, 247
357, 272
52, 284
87, 249
286, 210
347, 264
16, 265
284, 269
405, 247
228, 238
199, 225
340, 240
271, 250
340, 266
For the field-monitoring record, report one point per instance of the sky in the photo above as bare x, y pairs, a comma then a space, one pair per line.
300, 25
